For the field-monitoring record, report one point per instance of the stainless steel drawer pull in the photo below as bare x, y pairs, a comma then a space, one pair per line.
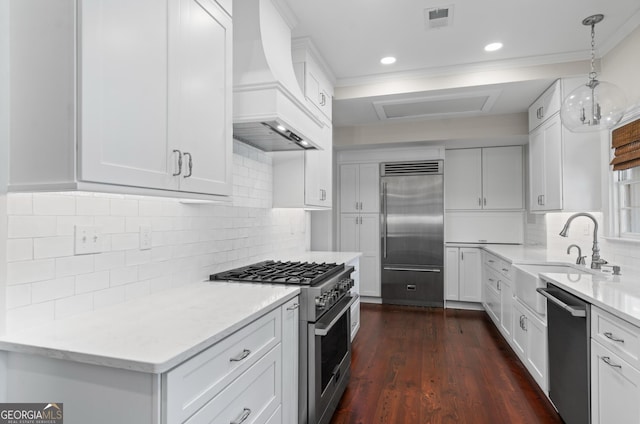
610, 336
179, 171
242, 418
293, 307
240, 356
505, 269
607, 361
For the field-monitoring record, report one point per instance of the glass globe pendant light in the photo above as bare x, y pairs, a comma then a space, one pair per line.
596, 105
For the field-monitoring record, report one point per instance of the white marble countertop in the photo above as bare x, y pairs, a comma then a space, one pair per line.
617, 294
155, 333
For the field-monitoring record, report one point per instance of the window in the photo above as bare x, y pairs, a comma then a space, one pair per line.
628, 190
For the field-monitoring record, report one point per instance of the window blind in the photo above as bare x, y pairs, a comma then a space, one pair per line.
626, 142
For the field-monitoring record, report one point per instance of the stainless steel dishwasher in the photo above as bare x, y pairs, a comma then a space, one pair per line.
568, 332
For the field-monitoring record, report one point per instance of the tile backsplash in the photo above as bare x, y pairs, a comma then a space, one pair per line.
47, 281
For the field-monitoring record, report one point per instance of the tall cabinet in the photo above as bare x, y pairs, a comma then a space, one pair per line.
360, 221
116, 106
563, 166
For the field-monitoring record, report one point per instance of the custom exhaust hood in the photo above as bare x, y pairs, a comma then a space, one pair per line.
269, 108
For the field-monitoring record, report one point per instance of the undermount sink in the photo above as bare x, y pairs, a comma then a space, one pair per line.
526, 281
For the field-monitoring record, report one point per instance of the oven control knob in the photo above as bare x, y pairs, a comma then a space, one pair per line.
320, 302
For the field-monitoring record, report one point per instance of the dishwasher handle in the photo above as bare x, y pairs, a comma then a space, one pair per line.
573, 311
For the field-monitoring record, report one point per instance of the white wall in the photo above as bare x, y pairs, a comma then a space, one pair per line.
45, 281
620, 66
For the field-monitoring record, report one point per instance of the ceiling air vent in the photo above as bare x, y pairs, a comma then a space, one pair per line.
438, 17
412, 168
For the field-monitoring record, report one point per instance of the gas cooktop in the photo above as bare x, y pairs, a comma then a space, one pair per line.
299, 273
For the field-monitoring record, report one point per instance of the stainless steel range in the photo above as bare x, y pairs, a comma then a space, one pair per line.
325, 328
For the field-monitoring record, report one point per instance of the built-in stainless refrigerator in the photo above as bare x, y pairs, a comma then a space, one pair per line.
412, 232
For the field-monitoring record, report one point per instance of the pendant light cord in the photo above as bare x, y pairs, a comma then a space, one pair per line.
593, 74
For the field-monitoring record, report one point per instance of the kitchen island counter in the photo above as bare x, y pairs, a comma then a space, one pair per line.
155, 333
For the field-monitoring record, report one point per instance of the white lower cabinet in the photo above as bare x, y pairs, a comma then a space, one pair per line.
462, 274
615, 369
250, 374
497, 293
615, 388
355, 308
530, 343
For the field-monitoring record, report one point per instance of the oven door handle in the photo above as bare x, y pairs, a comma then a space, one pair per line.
323, 329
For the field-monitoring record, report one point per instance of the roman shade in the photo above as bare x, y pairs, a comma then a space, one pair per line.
626, 142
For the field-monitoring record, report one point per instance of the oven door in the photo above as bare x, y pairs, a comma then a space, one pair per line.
329, 360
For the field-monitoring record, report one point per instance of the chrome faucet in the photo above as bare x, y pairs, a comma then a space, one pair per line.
580, 258
596, 261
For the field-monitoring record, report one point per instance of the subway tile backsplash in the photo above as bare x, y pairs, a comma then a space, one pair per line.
46, 281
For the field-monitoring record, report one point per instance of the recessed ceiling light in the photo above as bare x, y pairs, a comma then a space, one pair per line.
492, 47
388, 60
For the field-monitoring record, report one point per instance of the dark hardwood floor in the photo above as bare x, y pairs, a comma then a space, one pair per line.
428, 365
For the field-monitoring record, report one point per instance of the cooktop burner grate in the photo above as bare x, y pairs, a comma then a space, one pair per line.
300, 273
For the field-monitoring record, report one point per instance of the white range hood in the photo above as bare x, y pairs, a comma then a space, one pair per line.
269, 108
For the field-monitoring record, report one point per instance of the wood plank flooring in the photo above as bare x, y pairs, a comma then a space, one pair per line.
428, 365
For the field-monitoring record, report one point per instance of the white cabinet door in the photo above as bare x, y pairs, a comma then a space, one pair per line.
290, 334
369, 188
506, 308
537, 356
615, 388
349, 180
502, 178
545, 166
349, 233
318, 173
200, 96
520, 343
123, 94
470, 282
462, 176
369, 239
451, 272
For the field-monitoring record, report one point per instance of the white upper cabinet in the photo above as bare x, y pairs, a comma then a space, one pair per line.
359, 188
151, 97
545, 106
484, 178
304, 179
313, 76
563, 166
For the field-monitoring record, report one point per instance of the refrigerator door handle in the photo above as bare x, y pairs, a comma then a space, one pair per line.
395, 268
384, 219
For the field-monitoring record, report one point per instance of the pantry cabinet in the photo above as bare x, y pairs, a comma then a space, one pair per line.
359, 188
563, 166
484, 178
463, 270
360, 233
129, 115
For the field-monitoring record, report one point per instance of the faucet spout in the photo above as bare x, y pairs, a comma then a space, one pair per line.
596, 261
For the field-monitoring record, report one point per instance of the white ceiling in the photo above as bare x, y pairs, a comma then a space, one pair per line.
353, 35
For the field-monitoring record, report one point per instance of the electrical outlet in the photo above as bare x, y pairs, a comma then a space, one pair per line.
145, 237
87, 239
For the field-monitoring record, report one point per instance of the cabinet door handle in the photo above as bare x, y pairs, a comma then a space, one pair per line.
607, 361
239, 357
462, 256
611, 337
541, 112
498, 285
190, 165
360, 205
479, 201
293, 307
542, 199
243, 417
179, 162
356, 205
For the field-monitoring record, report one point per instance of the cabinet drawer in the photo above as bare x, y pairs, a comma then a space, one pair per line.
256, 395
491, 261
617, 335
195, 382
491, 281
502, 267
